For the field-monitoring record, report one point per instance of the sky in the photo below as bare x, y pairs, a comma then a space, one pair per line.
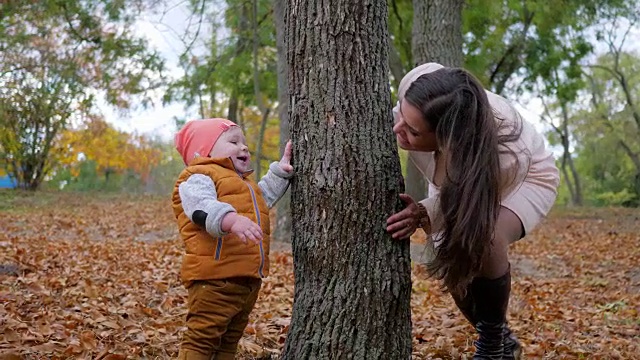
163, 31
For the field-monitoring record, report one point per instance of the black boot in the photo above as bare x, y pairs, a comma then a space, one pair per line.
512, 347
491, 299
466, 305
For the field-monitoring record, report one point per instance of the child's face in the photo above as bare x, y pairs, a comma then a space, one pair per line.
232, 144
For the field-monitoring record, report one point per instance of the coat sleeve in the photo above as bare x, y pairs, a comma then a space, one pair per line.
198, 195
274, 184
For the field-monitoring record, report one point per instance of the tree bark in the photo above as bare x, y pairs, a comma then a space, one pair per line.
437, 32
436, 37
352, 281
282, 231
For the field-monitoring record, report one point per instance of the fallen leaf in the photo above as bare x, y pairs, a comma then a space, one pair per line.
11, 356
575, 287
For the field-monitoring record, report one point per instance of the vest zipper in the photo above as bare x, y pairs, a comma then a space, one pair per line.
218, 248
257, 212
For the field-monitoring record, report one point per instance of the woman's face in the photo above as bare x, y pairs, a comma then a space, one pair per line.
412, 131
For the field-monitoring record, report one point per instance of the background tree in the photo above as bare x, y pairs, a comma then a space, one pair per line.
282, 231
592, 115
558, 88
235, 75
608, 147
400, 37
623, 68
352, 281
436, 37
55, 57
559, 117
504, 40
111, 150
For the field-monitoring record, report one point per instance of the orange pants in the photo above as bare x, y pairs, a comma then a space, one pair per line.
218, 313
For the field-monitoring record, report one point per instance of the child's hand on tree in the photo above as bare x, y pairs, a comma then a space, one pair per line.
242, 227
285, 162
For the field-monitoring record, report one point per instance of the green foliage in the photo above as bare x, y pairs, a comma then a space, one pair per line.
509, 39
605, 171
225, 70
32, 112
236, 78
621, 198
90, 178
529, 39
400, 26
88, 175
608, 130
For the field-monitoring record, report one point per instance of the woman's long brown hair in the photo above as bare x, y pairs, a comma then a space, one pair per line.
455, 104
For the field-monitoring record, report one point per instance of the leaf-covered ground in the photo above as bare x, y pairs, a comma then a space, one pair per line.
96, 277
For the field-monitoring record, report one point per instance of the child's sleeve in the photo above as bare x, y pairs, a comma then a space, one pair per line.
274, 184
200, 203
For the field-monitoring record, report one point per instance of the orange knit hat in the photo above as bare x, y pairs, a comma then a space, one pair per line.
197, 137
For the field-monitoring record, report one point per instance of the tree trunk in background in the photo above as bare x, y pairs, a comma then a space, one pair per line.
415, 183
282, 231
575, 187
352, 281
635, 159
437, 32
631, 103
395, 65
232, 113
436, 37
263, 129
243, 42
264, 109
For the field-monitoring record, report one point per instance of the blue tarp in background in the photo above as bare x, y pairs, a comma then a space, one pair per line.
6, 182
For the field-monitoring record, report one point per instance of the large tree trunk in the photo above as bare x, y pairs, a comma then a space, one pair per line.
436, 37
352, 281
282, 231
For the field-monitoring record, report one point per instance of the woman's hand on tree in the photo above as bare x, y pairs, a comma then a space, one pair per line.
404, 223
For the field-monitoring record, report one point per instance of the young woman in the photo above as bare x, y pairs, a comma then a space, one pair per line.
491, 181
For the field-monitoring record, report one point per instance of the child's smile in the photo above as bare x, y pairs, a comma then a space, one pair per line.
232, 144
